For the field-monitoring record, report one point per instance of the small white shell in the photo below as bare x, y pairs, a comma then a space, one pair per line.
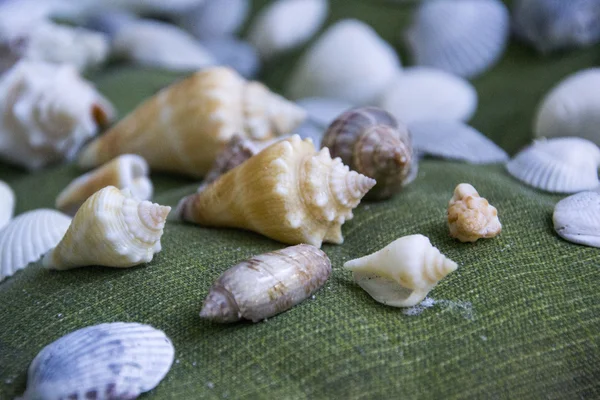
572, 108
7, 204
322, 111
234, 53
119, 360
27, 237
455, 140
577, 218
215, 18
561, 165
426, 93
357, 73
470, 216
463, 37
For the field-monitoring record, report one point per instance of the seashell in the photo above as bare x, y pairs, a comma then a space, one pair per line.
322, 111
577, 218
111, 229
371, 142
118, 360
110, 22
454, 140
572, 108
403, 272
331, 68
286, 24
27, 237
287, 192
235, 54
125, 172
47, 112
267, 284
7, 204
561, 165
464, 37
215, 18
470, 216
184, 126
420, 93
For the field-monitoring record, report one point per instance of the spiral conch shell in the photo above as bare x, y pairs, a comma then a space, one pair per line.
183, 127
470, 216
372, 142
402, 273
267, 284
112, 229
287, 192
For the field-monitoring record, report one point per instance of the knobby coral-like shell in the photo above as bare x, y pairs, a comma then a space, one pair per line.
7, 204
267, 284
470, 216
215, 18
402, 273
119, 360
372, 142
27, 237
561, 165
128, 171
184, 126
47, 112
577, 218
287, 192
112, 229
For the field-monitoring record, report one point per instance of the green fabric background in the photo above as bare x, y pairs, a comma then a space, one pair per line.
518, 319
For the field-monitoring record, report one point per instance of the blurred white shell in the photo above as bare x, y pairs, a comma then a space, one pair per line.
464, 37
27, 237
323, 111
215, 18
420, 93
286, 24
7, 204
234, 53
348, 62
455, 140
47, 112
561, 165
119, 360
403, 272
312, 131
572, 108
577, 218
470, 216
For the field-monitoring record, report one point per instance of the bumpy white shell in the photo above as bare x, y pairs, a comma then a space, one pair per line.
119, 360
572, 108
27, 237
215, 18
234, 53
464, 37
577, 218
348, 62
7, 204
421, 93
286, 24
561, 165
470, 216
403, 272
47, 112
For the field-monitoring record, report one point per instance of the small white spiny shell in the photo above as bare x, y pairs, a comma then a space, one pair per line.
470, 216
577, 218
7, 204
403, 272
215, 18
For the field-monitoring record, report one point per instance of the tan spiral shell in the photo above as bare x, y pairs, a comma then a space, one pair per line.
470, 216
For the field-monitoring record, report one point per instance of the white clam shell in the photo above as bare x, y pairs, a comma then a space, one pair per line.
561, 165
118, 360
463, 37
572, 108
216, 18
421, 93
348, 62
322, 111
7, 204
27, 237
234, 53
577, 218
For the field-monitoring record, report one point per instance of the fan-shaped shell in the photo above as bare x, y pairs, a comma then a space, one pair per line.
561, 165
119, 360
235, 54
577, 218
27, 237
215, 18
7, 204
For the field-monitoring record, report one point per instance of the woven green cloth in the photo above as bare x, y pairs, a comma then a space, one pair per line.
518, 319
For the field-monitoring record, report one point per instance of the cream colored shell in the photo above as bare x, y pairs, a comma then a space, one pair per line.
7, 204
470, 216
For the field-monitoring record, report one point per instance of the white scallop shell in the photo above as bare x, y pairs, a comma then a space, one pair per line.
455, 140
421, 93
572, 108
7, 204
234, 53
322, 111
561, 165
118, 360
463, 37
215, 18
348, 62
27, 237
577, 218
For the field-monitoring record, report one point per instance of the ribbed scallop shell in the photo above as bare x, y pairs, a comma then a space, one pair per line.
470, 216
463, 37
7, 204
561, 165
577, 218
27, 237
119, 360
403, 272
111, 229
287, 192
